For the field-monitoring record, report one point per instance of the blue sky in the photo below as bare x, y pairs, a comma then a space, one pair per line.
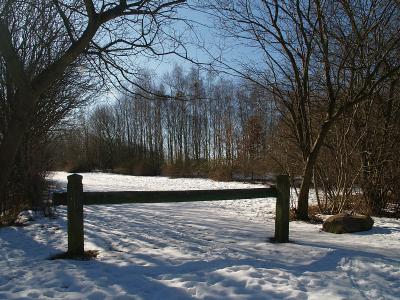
203, 42
202, 39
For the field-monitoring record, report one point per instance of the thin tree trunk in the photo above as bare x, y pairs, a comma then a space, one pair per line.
302, 206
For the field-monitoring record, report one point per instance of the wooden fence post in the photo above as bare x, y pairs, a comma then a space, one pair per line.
282, 209
75, 215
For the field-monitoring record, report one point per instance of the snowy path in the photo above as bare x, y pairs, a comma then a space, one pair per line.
214, 250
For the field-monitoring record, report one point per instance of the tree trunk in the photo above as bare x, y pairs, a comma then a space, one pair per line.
302, 204
12, 140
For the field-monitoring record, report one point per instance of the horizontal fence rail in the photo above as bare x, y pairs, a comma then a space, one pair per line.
75, 198
92, 198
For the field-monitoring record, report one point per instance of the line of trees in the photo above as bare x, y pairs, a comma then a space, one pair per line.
190, 125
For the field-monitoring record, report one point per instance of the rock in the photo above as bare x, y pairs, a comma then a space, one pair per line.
346, 223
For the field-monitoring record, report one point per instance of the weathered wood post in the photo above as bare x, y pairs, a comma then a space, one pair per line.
282, 209
75, 215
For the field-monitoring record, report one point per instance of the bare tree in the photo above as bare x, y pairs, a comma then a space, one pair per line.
58, 33
73, 89
317, 56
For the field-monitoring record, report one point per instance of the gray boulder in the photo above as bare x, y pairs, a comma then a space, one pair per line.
346, 223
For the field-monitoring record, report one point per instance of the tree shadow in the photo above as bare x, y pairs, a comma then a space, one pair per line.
133, 281
378, 230
228, 259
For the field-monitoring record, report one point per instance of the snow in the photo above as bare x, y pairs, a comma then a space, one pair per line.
201, 250
103, 182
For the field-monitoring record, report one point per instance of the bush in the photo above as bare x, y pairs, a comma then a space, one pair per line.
221, 173
138, 168
78, 167
190, 168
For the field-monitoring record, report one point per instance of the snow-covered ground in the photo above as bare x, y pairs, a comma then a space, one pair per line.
203, 250
116, 182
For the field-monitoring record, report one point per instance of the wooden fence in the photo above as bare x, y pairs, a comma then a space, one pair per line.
75, 198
